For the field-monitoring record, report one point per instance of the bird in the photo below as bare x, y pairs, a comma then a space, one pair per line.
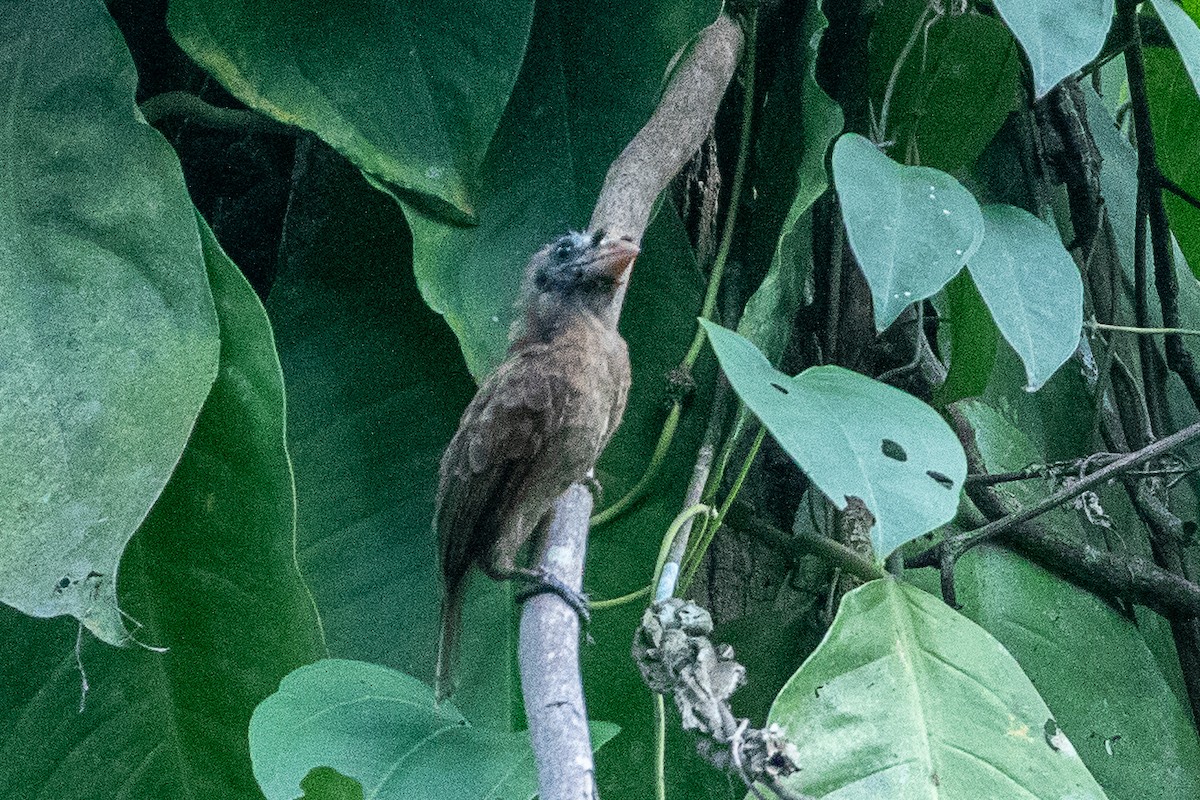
537, 424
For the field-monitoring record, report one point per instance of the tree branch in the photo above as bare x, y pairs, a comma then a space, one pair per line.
1150, 199
549, 654
947, 551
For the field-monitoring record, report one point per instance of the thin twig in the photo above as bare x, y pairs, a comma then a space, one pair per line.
1177, 190
952, 547
801, 543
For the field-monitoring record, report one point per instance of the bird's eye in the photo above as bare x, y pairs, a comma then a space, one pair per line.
563, 251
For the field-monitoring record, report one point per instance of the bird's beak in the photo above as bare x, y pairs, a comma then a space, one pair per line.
614, 257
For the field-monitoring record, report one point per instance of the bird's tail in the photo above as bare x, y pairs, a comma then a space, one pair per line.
447, 658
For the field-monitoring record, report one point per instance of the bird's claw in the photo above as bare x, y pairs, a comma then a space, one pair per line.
592, 484
546, 582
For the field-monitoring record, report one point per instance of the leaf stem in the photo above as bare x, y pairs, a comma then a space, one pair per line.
656, 461
706, 536
598, 605
1103, 326
667, 577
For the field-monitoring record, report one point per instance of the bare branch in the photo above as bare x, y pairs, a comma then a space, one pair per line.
549, 652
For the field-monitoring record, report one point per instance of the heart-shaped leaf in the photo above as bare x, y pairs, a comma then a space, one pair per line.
911, 228
381, 728
907, 698
1060, 37
854, 437
1032, 287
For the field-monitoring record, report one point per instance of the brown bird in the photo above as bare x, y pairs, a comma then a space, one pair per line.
536, 425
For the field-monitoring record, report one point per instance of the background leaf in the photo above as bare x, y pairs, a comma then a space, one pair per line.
110, 338
1055, 50
210, 576
381, 728
906, 698
1052, 627
973, 338
955, 88
1184, 33
1175, 115
376, 387
911, 228
854, 436
588, 84
794, 175
400, 88
1032, 287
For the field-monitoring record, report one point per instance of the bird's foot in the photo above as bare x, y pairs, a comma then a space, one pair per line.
593, 486
542, 582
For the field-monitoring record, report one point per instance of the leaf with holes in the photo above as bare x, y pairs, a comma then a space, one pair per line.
1059, 38
1032, 287
911, 228
854, 436
907, 698
381, 728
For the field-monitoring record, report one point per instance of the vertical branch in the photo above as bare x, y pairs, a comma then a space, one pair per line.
1150, 203
1152, 505
548, 648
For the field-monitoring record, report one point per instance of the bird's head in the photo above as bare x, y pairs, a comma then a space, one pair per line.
577, 272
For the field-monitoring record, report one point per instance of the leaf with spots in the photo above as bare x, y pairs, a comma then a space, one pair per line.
854, 437
911, 228
907, 698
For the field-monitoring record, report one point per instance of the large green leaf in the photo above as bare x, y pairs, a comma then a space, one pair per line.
401, 88
911, 228
210, 577
1175, 114
1053, 628
1184, 33
1060, 37
375, 389
854, 437
908, 699
382, 729
589, 81
1032, 287
957, 84
110, 338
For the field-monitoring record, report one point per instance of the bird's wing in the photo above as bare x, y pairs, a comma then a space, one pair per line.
500, 440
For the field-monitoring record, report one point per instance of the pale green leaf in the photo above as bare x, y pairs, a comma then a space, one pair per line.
911, 228
109, 332
908, 699
1059, 37
854, 437
382, 729
1032, 287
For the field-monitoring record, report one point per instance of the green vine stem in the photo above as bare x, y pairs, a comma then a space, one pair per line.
666, 572
692, 560
656, 460
1102, 326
